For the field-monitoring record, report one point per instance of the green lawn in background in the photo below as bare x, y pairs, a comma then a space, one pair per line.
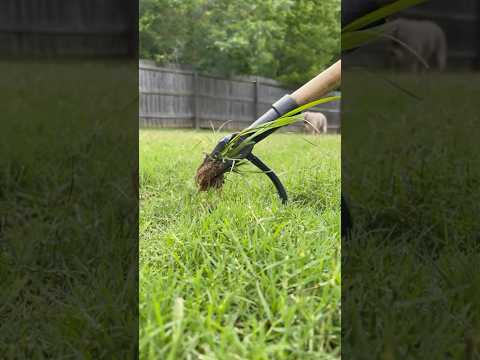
68, 220
411, 170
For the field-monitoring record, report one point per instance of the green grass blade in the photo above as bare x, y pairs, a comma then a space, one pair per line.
234, 147
354, 39
312, 104
280, 122
381, 13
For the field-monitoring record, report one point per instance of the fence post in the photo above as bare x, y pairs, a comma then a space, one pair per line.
255, 104
196, 118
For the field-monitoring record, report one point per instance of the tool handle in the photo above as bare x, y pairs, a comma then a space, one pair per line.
313, 90
320, 85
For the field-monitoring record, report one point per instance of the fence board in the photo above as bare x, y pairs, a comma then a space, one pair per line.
180, 98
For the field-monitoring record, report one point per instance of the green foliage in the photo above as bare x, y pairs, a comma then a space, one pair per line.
235, 274
234, 147
291, 41
312, 39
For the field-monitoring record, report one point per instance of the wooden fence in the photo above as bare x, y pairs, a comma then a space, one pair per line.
178, 98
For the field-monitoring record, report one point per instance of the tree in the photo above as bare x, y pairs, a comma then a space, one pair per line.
312, 40
283, 39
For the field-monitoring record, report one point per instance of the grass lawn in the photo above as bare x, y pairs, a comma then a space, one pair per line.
68, 225
411, 169
235, 274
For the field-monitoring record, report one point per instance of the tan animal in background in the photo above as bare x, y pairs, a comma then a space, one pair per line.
424, 37
315, 122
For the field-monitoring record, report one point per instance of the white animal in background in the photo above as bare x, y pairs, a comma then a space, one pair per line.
425, 38
315, 122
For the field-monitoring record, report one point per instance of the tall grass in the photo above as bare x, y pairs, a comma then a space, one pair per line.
67, 219
410, 273
236, 275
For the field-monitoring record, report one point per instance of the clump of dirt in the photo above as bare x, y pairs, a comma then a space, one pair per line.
210, 174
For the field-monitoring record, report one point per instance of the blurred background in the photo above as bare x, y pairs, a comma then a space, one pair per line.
75, 28
458, 20
410, 170
68, 210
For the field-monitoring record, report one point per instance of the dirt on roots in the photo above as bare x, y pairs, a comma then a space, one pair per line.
210, 174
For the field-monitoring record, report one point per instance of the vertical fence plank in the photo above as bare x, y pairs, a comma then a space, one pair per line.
184, 99
196, 104
256, 111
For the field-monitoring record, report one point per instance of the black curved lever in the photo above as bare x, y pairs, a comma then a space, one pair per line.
271, 174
